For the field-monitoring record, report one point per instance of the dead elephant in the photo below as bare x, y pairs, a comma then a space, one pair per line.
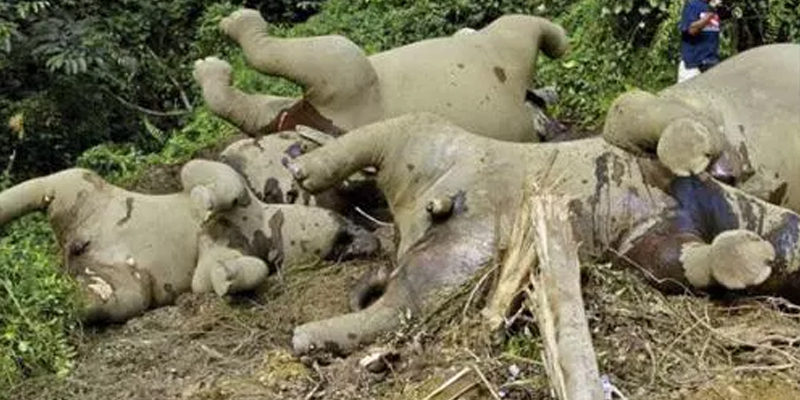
130, 251
447, 187
478, 80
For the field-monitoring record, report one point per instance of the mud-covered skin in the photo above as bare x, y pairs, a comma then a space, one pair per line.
619, 205
477, 80
132, 252
260, 161
743, 124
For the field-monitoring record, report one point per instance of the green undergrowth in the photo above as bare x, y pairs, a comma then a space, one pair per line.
36, 304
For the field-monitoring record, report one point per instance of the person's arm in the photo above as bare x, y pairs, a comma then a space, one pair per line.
701, 23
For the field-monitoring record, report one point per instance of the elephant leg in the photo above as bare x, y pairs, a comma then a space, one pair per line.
378, 144
251, 113
213, 186
676, 262
225, 270
331, 69
636, 120
684, 140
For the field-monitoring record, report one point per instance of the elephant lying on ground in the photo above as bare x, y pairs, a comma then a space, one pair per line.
447, 188
740, 121
131, 251
260, 162
477, 80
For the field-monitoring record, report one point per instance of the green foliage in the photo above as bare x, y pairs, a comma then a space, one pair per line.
613, 46
36, 304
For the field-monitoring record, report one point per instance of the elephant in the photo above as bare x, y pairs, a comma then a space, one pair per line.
260, 162
478, 80
739, 121
448, 188
130, 252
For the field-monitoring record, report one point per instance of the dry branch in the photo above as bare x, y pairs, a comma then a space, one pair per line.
557, 302
542, 260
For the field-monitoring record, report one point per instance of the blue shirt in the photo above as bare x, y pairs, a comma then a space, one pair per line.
702, 48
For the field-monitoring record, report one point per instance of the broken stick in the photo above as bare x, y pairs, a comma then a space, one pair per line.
556, 300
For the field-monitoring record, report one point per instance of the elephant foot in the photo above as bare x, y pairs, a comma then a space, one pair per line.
214, 77
212, 70
344, 334
685, 147
241, 21
736, 259
238, 275
740, 259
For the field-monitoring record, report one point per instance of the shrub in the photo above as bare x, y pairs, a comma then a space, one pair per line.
36, 304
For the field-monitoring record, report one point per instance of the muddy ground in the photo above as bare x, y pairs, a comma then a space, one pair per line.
650, 346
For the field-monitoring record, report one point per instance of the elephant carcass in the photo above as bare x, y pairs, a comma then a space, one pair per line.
261, 162
447, 188
477, 80
130, 251
739, 120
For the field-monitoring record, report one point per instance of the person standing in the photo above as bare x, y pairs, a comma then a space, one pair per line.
699, 27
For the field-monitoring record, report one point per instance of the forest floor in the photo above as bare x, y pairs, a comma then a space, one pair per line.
650, 346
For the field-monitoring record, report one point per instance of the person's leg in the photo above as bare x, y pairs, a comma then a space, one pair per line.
686, 73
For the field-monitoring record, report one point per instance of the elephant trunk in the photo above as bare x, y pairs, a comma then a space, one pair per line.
24, 198
345, 333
